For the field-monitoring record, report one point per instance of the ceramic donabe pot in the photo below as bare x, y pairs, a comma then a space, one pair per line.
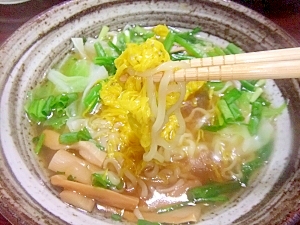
26, 194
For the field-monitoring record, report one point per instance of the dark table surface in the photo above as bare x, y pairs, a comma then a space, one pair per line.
285, 13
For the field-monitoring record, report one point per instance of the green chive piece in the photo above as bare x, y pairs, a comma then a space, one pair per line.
92, 98
84, 135
103, 32
145, 222
223, 107
263, 101
232, 95
39, 143
180, 56
190, 36
169, 41
68, 138
235, 110
256, 94
247, 86
107, 62
212, 190
263, 154
116, 217
41, 110
255, 118
99, 49
73, 137
113, 46
215, 85
188, 47
233, 49
101, 180
226, 51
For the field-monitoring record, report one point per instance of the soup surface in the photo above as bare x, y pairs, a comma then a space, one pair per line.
146, 150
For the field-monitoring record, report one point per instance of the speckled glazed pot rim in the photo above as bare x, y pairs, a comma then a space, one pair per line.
27, 41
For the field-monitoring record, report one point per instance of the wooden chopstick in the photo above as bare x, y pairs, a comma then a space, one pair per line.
273, 64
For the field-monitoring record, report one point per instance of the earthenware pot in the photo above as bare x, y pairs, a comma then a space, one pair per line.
26, 194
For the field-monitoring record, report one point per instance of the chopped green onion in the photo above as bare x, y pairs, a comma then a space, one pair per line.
227, 52
121, 41
103, 32
255, 118
141, 33
47, 108
137, 39
254, 82
39, 143
107, 62
256, 94
212, 128
233, 49
212, 190
190, 35
220, 120
170, 208
169, 41
97, 145
247, 86
260, 83
263, 154
232, 95
99, 50
127, 36
218, 198
68, 138
223, 107
196, 30
84, 135
116, 217
215, 85
238, 116
180, 56
63, 100
104, 61
73, 137
93, 97
188, 47
39, 110
215, 51
219, 51
101, 180
253, 125
113, 46
145, 222
263, 101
